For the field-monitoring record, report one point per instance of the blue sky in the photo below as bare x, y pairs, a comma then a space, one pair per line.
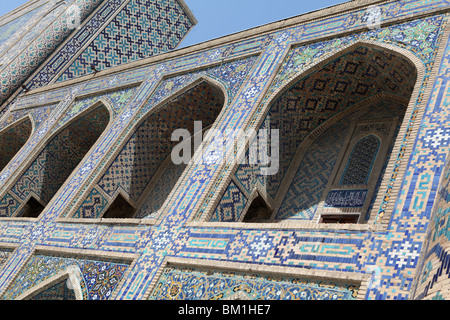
217, 18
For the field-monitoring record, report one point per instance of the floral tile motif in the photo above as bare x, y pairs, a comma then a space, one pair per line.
196, 284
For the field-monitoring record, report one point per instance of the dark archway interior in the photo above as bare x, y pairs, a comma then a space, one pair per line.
12, 140
119, 209
258, 211
32, 208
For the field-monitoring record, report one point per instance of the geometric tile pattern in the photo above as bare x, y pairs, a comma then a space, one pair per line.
60, 156
231, 205
117, 99
345, 199
35, 22
196, 284
143, 28
23, 64
75, 44
59, 291
4, 255
12, 140
8, 205
313, 174
295, 113
230, 74
93, 206
160, 191
141, 156
7, 31
38, 114
361, 74
360, 163
391, 256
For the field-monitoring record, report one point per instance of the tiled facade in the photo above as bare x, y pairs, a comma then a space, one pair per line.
362, 116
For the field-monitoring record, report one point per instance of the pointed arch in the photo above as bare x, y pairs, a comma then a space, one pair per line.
315, 121
65, 121
56, 159
147, 148
182, 91
329, 57
258, 209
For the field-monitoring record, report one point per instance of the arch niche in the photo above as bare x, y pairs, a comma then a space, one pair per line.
142, 176
340, 124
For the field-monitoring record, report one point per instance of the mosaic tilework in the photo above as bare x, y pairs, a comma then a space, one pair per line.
59, 291
141, 157
4, 255
13, 75
326, 250
75, 44
117, 100
434, 266
7, 31
230, 74
359, 166
39, 115
327, 96
315, 109
231, 205
99, 278
12, 140
160, 191
142, 29
33, 28
312, 176
299, 58
196, 284
93, 206
61, 154
179, 212
395, 252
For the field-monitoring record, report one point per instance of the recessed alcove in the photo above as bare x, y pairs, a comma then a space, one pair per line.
258, 211
59, 156
145, 169
120, 209
32, 208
